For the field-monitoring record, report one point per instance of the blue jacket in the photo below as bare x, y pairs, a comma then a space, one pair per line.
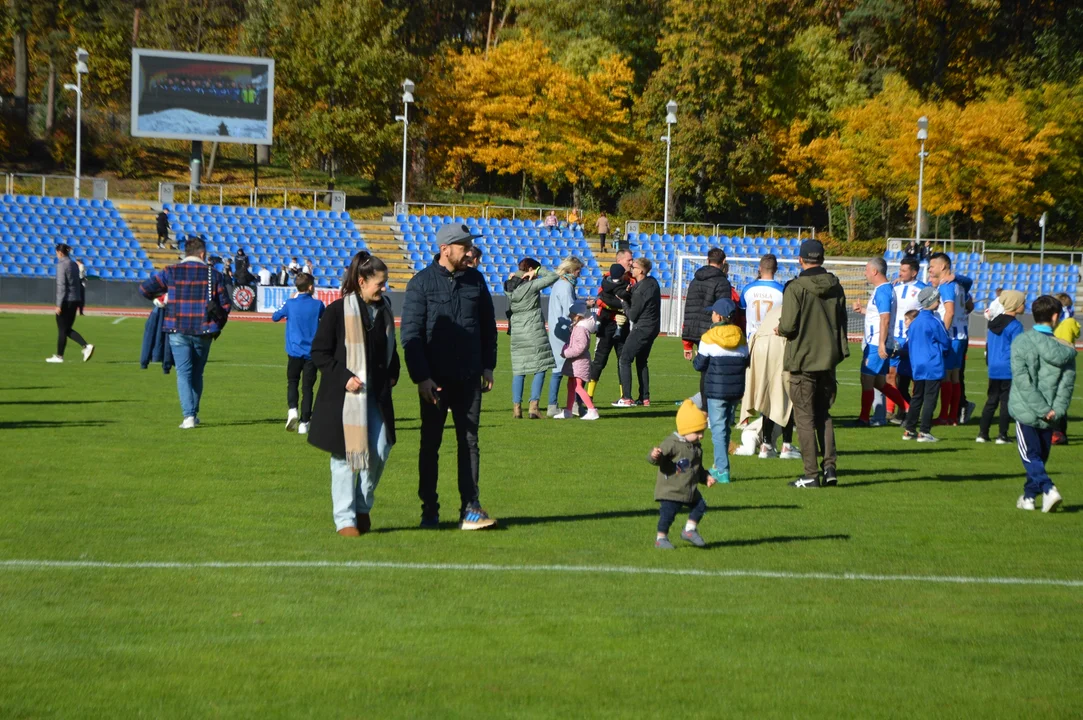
926, 343
303, 315
156, 342
722, 358
1003, 330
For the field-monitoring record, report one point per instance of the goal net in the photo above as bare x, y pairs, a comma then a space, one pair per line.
744, 270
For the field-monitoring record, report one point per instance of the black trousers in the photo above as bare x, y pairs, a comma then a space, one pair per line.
962, 385
668, 510
998, 395
768, 430
922, 404
64, 322
296, 369
611, 336
638, 348
464, 401
601, 239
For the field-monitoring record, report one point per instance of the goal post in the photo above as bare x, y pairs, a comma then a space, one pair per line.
744, 270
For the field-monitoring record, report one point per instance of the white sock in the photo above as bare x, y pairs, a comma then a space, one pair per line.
690, 526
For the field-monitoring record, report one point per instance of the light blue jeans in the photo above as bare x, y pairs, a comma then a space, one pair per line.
352, 493
190, 354
536, 385
554, 387
720, 413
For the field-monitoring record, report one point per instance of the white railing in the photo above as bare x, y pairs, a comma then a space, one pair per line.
250, 195
1062, 256
943, 245
422, 208
654, 227
51, 185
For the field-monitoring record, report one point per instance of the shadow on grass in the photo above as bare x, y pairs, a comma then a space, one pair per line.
1070, 508
44, 424
777, 539
239, 423
937, 478
39, 387
848, 452
60, 402
631, 413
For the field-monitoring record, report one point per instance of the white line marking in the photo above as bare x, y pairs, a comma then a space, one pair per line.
483, 567
120, 319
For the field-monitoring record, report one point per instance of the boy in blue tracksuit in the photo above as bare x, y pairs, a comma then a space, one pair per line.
303, 314
927, 343
1003, 330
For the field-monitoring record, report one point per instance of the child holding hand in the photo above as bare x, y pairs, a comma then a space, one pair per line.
576, 354
680, 471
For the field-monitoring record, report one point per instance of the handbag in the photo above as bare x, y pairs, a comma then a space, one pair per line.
214, 313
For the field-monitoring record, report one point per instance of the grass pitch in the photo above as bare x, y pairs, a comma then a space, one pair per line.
94, 469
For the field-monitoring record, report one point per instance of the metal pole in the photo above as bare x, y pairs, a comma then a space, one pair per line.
1041, 252
921, 183
405, 127
665, 214
78, 132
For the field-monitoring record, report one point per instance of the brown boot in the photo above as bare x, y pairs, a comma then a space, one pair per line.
534, 414
517, 411
349, 532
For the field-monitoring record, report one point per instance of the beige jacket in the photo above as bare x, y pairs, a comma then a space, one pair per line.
767, 384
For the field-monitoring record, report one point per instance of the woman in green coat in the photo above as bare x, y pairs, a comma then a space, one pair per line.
530, 351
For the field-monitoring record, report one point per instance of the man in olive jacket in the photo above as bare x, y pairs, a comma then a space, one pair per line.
814, 321
449, 344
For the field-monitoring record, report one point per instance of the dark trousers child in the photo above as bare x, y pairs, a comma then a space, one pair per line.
769, 430
296, 369
669, 509
64, 321
1034, 445
998, 395
922, 404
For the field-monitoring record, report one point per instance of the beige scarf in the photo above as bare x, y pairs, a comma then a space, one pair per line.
355, 407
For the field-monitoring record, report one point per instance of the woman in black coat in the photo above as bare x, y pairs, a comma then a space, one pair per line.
356, 470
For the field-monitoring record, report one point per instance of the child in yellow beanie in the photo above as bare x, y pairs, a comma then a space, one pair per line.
680, 470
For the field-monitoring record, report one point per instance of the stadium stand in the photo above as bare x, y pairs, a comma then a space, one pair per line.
31, 226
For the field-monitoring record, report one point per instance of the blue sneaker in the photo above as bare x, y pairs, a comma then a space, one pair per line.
721, 477
474, 518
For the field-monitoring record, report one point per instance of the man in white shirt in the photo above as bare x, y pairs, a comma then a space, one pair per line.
264, 277
761, 296
907, 288
879, 341
307, 267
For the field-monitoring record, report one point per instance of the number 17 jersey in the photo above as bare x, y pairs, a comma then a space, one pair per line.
758, 299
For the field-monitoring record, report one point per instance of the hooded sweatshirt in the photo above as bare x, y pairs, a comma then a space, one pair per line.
926, 342
1003, 329
814, 321
722, 358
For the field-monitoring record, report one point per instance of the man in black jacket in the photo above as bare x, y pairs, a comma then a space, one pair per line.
708, 285
449, 343
645, 314
163, 227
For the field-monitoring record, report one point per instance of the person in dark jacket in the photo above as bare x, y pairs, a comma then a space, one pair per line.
354, 418
645, 314
722, 357
163, 227
69, 298
612, 319
814, 320
155, 342
709, 283
1003, 330
449, 343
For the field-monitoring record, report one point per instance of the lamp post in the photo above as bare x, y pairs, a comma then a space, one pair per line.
407, 98
923, 134
81, 57
671, 120
1041, 250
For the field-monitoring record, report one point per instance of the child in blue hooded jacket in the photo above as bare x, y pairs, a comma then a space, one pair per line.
927, 343
1003, 330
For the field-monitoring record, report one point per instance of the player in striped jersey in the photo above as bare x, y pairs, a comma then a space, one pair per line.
907, 289
955, 308
879, 341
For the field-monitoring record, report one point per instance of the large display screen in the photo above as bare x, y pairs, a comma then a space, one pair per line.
192, 96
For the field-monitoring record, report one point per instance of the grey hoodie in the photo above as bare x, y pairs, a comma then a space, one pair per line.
68, 287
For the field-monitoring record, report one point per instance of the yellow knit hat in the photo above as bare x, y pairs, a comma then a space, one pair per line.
690, 419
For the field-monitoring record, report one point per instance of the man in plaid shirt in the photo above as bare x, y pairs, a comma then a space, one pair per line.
189, 284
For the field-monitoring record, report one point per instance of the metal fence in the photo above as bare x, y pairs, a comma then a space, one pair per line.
1035, 256
716, 230
484, 210
250, 195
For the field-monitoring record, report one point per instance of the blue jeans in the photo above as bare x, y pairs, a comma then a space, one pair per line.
554, 387
721, 414
190, 355
536, 385
352, 494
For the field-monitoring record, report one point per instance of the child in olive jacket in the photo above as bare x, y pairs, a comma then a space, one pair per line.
1043, 376
680, 471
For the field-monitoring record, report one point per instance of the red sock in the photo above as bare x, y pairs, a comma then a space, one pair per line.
894, 397
946, 393
889, 404
866, 405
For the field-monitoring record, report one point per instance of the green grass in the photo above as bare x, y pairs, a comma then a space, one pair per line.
95, 469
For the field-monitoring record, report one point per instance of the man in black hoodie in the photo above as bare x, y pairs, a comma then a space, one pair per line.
708, 285
645, 314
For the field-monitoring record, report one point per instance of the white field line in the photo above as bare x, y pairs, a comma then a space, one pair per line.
553, 569
120, 319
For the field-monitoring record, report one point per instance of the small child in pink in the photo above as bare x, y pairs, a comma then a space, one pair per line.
577, 361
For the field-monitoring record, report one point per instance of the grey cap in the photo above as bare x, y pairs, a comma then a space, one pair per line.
928, 297
578, 308
455, 234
